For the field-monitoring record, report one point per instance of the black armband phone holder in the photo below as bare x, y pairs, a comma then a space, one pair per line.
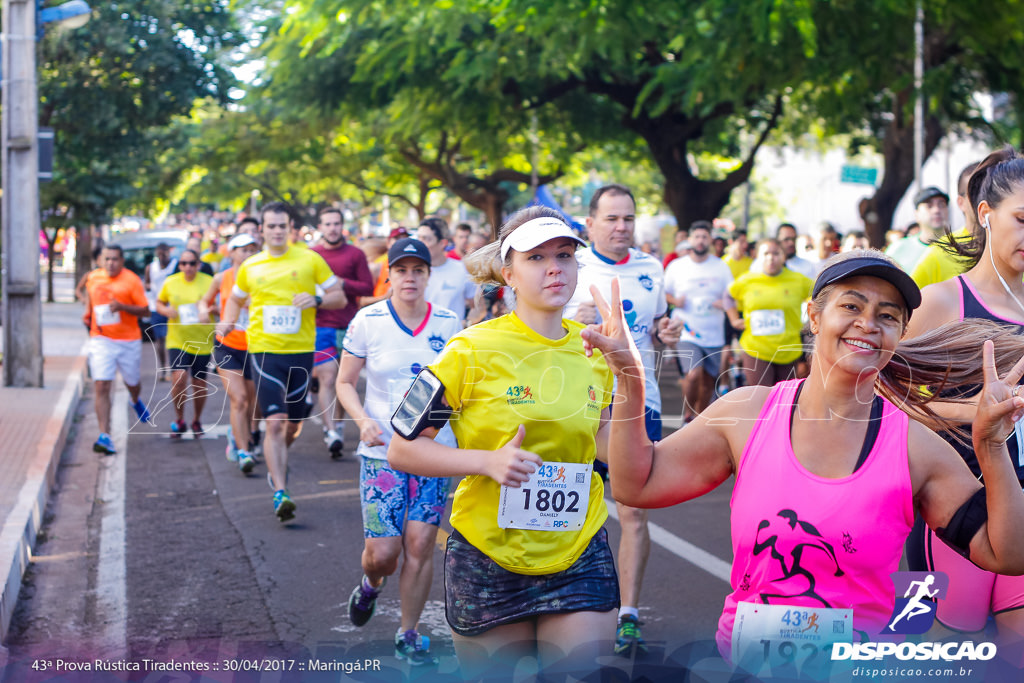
965, 523
422, 407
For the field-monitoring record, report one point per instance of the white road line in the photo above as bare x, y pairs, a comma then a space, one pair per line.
111, 590
666, 539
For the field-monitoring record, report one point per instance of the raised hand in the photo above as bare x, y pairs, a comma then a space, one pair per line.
1000, 403
510, 465
612, 336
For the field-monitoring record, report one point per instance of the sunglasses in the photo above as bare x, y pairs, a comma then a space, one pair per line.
188, 263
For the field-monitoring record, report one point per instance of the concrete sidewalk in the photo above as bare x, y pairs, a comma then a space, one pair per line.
34, 425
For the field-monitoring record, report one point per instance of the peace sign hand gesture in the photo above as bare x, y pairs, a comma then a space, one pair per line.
612, 335
1000, 404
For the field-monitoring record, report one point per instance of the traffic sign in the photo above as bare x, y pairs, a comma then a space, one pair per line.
860, 175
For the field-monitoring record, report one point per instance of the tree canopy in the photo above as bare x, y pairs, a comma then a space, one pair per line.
110, 92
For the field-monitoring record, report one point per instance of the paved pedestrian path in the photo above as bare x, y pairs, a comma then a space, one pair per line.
34, 425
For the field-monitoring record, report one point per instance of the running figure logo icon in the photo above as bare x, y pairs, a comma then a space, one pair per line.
915, 611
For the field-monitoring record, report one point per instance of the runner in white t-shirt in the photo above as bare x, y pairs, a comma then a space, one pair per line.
393, 340
450, 286
153, 278
610, 227
697, 286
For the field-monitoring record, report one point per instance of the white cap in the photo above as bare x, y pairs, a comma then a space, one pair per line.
535, 232
242, 240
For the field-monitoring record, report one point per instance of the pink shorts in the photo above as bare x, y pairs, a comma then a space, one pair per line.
973, 592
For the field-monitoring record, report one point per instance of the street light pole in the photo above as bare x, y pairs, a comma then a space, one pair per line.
22, 309
918, 95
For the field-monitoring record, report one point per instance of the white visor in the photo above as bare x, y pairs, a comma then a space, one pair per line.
535, 233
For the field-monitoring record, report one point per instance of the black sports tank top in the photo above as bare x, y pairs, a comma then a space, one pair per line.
973, 307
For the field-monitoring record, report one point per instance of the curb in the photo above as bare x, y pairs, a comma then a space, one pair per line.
18, 535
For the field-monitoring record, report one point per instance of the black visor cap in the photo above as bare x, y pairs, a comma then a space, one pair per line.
875, 267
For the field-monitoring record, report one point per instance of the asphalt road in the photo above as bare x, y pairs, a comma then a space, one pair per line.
167, 552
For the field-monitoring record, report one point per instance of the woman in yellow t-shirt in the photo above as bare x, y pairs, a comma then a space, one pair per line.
189, 341
770, 302
528, 570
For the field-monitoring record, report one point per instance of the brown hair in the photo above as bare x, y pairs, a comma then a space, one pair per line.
484, 264
946, 358
995, 177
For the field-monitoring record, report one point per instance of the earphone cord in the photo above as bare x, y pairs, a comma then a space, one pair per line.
1000, 275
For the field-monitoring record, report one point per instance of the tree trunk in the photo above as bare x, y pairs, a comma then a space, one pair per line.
691, 199
688, 197
878, 210
83, 251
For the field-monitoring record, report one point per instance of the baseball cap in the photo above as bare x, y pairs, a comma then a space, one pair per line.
242, 240
398, 232
929, 193
408, 247
535, 232
875, 267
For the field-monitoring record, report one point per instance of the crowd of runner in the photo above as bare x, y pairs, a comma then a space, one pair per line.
516, 368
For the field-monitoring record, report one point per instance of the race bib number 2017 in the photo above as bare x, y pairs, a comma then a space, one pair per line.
282, 319
554, 499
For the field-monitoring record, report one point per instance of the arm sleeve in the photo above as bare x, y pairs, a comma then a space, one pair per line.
241, 288
607, 381
736, 291
362, 283
355, 336
322, 273
661, 305
453, 367
808, 283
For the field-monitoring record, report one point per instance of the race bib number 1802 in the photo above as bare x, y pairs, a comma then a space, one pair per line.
554, 499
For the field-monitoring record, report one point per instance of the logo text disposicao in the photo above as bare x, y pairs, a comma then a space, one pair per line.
947, 652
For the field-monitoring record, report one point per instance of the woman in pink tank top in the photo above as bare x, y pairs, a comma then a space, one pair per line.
992, 289
829, 470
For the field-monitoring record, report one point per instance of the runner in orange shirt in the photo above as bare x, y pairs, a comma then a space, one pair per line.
115, 300
231, 356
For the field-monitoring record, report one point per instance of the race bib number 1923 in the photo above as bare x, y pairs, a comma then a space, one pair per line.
788, 640
554, 499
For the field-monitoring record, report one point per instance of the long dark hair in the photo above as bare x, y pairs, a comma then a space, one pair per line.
997, 176
939, 361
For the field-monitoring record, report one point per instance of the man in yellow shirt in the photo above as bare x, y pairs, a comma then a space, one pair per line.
937, 264
280, 284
